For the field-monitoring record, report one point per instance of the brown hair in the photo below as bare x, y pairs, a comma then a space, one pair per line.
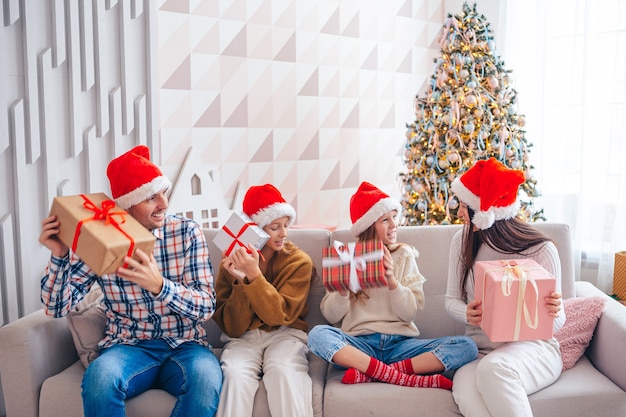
510, 236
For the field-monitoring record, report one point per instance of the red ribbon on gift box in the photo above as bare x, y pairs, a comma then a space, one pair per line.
236, 240
103, 213
236, 237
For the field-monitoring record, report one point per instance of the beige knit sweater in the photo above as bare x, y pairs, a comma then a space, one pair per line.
383, 311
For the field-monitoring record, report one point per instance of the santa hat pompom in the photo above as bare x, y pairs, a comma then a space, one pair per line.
264, 204
133, 178
490, 189
367, 205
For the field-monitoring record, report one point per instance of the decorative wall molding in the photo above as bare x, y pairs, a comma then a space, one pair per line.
77, 85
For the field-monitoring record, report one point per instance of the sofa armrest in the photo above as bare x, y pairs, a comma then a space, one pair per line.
32, 349
606, 350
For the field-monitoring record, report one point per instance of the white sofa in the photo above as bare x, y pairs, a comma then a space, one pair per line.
41, 373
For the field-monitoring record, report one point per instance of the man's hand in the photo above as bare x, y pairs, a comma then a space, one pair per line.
50, 239
143, 272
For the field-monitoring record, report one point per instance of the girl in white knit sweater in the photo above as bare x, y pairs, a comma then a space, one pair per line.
499, 381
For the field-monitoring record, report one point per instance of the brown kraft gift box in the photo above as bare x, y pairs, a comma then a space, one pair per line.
103, 233
619, 275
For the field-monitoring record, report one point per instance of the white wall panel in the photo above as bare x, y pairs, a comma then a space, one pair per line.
9, 284
63, 91
86, 45
58, 32
31, 92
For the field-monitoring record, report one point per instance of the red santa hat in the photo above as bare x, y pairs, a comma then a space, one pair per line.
264, 204
367, 205
490, 189
133, 178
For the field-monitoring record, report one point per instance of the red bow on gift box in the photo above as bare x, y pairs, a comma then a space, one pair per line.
103, 213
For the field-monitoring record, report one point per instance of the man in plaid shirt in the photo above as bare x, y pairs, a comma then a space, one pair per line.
155, 304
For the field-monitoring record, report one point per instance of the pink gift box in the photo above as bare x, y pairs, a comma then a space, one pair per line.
513, 294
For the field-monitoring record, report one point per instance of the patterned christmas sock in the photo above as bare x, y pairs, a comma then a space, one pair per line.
354, 376
385, 373
405, 366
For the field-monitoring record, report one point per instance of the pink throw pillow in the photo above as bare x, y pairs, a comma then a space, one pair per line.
582, 315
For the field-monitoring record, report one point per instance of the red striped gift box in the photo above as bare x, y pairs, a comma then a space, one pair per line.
353, 266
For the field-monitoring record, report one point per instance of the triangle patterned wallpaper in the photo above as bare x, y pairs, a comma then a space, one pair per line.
312, 96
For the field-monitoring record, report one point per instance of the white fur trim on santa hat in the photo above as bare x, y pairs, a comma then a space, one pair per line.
382, 206
485, 219
465, 195
275, 211
143, 192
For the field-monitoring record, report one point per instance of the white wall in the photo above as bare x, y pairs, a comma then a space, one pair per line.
77, 88
315, 108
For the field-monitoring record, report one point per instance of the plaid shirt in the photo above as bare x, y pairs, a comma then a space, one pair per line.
176, 315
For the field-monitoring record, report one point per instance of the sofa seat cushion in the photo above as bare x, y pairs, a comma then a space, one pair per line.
60, 396
580, 391
597, 397
380, 399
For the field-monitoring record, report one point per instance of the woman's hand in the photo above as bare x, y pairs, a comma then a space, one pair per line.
474, 314
553, 304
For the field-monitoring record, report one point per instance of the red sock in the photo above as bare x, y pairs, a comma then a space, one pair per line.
354, 376
386, 373
405, 366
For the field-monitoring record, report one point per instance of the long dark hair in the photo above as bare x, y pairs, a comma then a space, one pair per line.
510, 236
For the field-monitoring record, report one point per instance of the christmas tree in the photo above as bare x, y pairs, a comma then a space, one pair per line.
468, 112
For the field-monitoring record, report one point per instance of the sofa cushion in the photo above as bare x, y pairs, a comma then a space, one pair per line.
87, 321
61, 396
581, 391
582, 314
381, 399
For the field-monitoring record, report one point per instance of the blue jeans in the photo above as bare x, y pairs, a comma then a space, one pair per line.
190, 372
452, 351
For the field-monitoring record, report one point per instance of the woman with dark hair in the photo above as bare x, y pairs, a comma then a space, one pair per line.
499, 381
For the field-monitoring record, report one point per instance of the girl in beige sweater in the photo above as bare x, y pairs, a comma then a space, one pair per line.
373, 335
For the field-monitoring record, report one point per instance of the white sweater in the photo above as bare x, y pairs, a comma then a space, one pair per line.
547, 257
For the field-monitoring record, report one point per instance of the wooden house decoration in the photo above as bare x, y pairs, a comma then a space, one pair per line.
197, 194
